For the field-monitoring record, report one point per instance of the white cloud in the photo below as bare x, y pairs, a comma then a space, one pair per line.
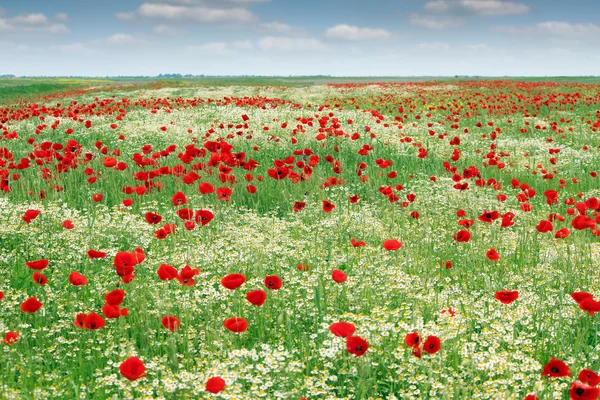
33, 23
62, 17
554, 29
75, 48
436, 47
187, 13
277, 27
347, 32
163, 29
478, 7
122, 39
222, 48
435, 22
269, 43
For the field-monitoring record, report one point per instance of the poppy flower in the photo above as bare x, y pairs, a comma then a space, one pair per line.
170, 323
233, 281
342, 329
356, 345
412, 339
203, 217
392, 244
223, 193
462, 236
562, 233
37, 265
10, 337
97, 197
30, 215
257, 297
133, 368
492, 254
579, 391
96, 254
153, 218
589, 377
531, 397
328, 206
68, 224
40, 279
115, 297
236, 325
544, 226
112, 311
432, 344
356, 243
215, 385
31, 305
489, 216
580, 296
186, 275
77, 279
179, 199
206, 188
166, 272
93, 321
338, 276
556, 369
79, 320
273, 282
590, 305
506, 297
299, 205
1, 295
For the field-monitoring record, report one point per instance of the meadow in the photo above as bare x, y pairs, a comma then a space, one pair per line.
289, 239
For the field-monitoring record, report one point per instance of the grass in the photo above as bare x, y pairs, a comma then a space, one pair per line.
488, 349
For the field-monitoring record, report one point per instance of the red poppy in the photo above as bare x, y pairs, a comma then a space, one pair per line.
489, 216
342, 329
37, 265
589, 377
133, 368
579, 391
299, 205
215, 385
544, 226
203, 217
338, 276
236, 325
153, 218
356, 243
356, 345
30, 215
562, 233
432, 344
273, 282
205, 188
166, 272
506, 297
531, 397
590, 305
556, 369
257, 297
40, 279
580, 296
328, 206
93, 321
170, 323
392, 244
223, 193
186, 276
77, 279
412, 339
96, 254
233, 281
68, 224
115, 297
462, 236
97, 197
112, 311
492, 254
1, 295
10, 337
31, 305
179, 199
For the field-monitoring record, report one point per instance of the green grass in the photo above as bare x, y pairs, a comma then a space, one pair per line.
489, 349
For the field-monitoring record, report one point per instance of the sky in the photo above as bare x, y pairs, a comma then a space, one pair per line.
300, 37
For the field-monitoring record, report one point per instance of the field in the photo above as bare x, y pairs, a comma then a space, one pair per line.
210, 229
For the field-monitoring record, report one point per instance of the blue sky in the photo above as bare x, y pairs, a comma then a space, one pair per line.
292, 37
